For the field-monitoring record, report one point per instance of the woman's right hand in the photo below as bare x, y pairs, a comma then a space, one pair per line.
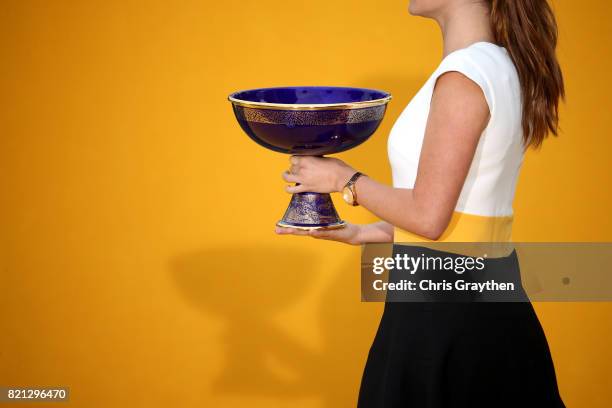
349, 234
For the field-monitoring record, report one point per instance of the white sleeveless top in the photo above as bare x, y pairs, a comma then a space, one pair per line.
489, 187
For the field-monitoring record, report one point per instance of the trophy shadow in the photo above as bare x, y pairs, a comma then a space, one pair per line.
246, 288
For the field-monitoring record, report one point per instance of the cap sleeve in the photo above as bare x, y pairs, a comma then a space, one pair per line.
466, 63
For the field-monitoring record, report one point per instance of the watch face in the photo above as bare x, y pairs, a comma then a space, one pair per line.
347, 194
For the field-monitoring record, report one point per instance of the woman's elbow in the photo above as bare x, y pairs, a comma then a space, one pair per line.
433, 226
433, 233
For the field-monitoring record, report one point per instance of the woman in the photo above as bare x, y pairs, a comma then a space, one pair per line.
455, 153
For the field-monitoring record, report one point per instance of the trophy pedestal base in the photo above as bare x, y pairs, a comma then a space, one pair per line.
340, 224
308, 211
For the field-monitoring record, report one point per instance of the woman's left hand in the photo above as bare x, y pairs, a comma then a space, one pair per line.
317, 174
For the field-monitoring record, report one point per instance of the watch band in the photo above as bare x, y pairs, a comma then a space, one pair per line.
351, 185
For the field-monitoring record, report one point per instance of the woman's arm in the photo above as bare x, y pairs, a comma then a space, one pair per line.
457, 117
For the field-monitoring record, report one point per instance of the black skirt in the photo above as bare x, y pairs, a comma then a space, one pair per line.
437, 354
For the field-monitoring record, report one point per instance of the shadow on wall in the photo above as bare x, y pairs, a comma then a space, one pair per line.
246, 288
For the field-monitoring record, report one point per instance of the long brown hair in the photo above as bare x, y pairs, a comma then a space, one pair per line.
528, 30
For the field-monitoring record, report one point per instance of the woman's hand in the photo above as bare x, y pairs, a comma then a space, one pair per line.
349, 234
317, 174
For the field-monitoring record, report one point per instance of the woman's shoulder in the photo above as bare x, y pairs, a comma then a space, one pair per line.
489, 66
483, 58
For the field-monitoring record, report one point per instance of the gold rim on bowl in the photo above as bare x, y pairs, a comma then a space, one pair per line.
306, 106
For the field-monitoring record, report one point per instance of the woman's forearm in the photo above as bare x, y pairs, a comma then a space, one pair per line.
378, 232
402, 208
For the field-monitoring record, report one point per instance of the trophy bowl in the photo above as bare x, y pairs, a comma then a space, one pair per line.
310, 121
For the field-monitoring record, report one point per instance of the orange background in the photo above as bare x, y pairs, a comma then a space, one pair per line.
138, 263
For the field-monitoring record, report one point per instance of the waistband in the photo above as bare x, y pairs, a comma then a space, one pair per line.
466, 228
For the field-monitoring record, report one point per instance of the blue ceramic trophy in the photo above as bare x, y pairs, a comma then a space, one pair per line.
311, 121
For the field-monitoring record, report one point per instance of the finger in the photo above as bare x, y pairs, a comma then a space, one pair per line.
283, 230
295, 160
296, 189
290, 231
290, 178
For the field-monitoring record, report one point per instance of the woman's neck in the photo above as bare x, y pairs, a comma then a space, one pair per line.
465, 25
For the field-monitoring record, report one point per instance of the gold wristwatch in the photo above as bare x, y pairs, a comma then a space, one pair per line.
348, 192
